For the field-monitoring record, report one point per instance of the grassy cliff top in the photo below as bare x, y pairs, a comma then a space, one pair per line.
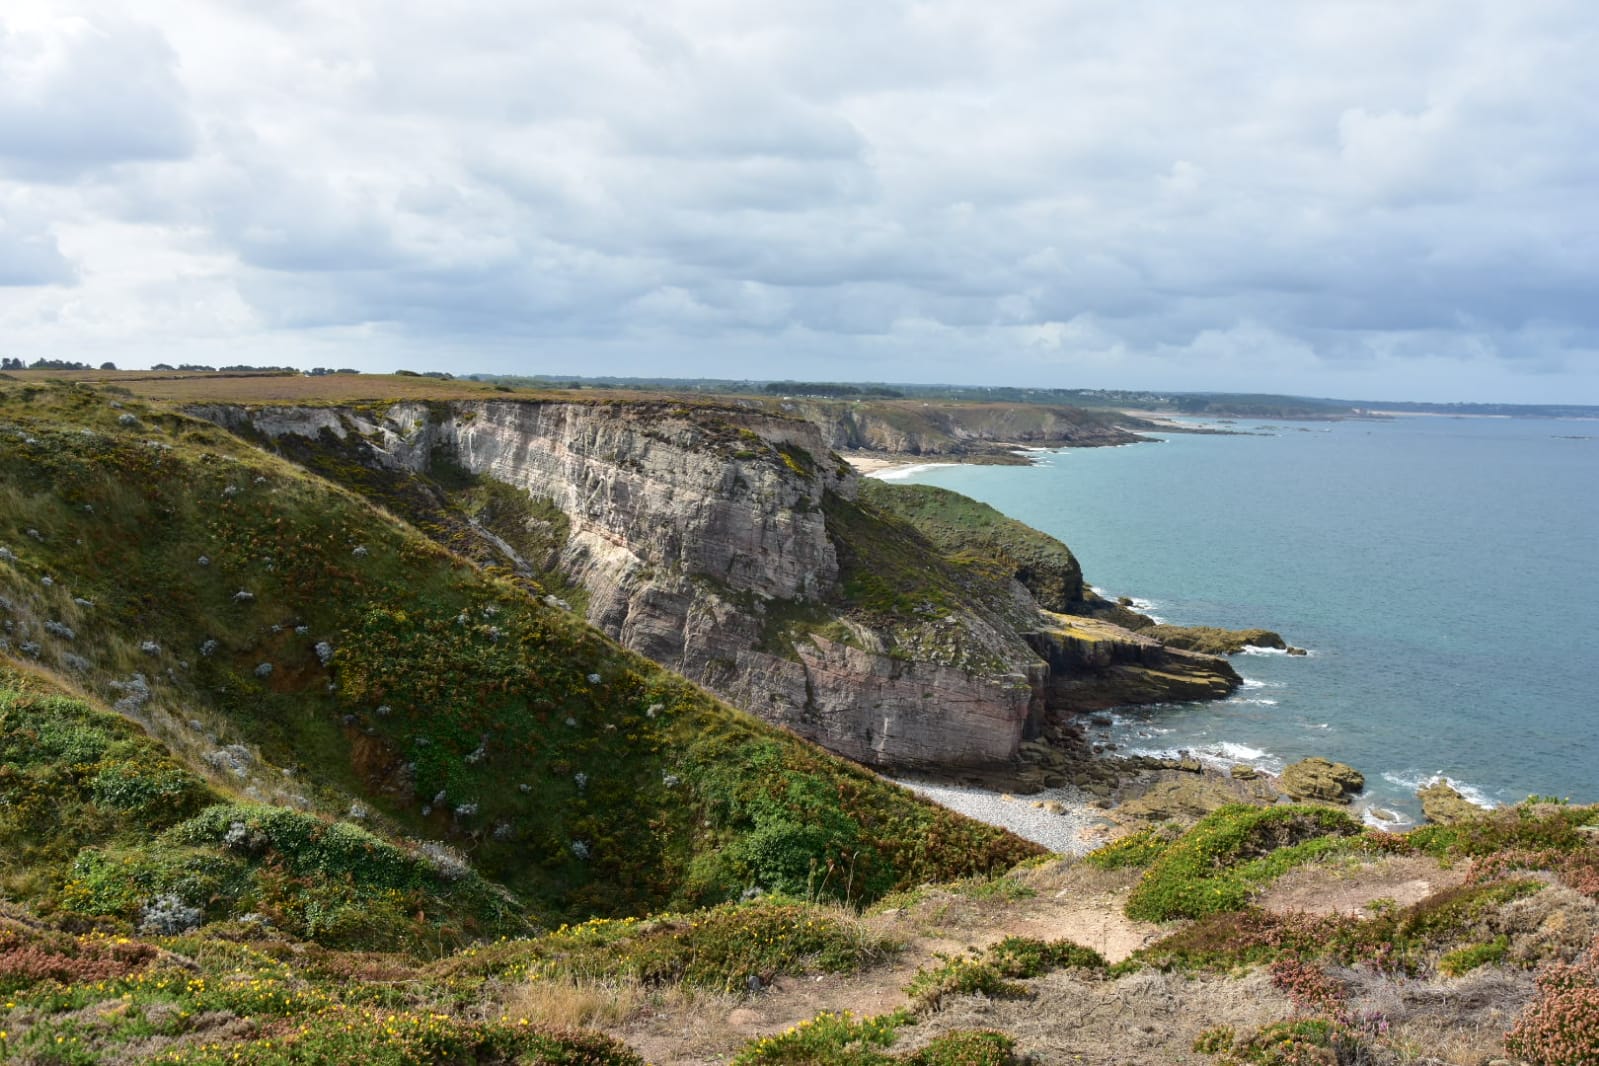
296, 645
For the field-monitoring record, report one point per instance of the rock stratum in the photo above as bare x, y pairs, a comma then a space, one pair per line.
901, 627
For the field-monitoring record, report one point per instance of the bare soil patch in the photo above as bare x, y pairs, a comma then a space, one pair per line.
1350, 887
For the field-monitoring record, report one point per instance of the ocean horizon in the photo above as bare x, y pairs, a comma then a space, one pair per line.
1441, 572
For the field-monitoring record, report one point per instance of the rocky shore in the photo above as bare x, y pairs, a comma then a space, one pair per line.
1072, 796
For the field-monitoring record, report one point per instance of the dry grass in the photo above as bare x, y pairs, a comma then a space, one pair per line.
182, 387
195, 387
574, 1004
1142, 1019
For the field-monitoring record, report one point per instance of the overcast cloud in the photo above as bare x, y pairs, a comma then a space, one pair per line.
1383, 200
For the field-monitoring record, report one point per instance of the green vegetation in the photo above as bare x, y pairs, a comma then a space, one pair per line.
1407, 941
1133, 851
1218, 865
195, 577
973, 534
1464, 960
844, 1040
1301, 1042
957, 610
97, 822
993, 972
721, 948
287, 779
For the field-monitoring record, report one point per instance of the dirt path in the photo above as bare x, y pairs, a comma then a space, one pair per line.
1067, 902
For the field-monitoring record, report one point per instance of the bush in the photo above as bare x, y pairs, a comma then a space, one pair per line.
339, 1036
990, 972
1301, 1042
1561, 1027
1218, 864
965, 1047
827, 1040
1134, 850
720, 948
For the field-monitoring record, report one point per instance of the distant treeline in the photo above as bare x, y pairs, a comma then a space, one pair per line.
829, 389
244, 369
50, 364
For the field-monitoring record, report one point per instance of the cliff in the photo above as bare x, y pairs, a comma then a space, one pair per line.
320, 681
728, 544
955, 429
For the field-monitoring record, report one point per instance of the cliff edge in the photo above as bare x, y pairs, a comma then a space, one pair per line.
729, 544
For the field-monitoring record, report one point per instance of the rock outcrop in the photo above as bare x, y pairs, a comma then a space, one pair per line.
1321, 780
726, 543
1442, 804
1094, 664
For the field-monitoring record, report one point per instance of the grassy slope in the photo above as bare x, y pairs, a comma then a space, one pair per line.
100, 827
452, 702
976, 534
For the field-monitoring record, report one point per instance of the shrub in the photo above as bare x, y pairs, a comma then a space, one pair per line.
1217, 865
989, 973
1301, 1042
1561, 1027
1020, 956
827, 1040
720, 948
1134, 850
960, 976
338, 1036
965, 1047
1310, 988
1464, 960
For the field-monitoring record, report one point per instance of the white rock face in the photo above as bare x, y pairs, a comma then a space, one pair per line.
684, 527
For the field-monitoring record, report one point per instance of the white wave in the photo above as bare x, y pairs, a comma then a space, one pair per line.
1400, 820
1241, 752
1250, 682
1252, 702
1411, 780
895, 473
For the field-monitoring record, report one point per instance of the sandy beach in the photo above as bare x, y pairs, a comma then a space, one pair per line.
876, 464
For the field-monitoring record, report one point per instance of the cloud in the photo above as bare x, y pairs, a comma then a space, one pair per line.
1293, 196
83, 92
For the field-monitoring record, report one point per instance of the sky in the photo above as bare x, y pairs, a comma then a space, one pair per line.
1365, 200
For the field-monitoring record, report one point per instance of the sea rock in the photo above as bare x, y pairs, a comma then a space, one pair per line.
1321, 780
1213, 641
1442, 804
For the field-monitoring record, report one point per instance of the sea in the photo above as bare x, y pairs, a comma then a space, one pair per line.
1443, 574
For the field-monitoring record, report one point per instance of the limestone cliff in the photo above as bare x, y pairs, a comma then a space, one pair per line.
948, 428
730, 545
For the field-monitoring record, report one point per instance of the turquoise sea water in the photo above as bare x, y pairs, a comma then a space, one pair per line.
1444, 574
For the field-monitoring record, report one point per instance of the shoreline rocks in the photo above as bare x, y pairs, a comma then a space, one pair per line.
1322, 781
1442, 804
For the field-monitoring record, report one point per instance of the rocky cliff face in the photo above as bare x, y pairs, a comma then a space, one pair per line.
912, 427
710, 540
